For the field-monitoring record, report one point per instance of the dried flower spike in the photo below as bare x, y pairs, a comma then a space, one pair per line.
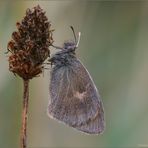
30, 44
29, 48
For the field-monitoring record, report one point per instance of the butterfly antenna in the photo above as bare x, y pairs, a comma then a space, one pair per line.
74, 33
79, 35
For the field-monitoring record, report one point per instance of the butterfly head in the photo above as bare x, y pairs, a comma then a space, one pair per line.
69, 46
67, 52
72, 45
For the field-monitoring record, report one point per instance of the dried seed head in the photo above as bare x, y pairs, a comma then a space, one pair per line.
30, 44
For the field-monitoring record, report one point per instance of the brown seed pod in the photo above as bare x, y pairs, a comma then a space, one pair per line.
19, 63
30, 44
11, 46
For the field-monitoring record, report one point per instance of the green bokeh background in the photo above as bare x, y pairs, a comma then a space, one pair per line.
113, 47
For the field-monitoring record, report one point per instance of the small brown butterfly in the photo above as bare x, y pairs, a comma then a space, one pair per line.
74, 98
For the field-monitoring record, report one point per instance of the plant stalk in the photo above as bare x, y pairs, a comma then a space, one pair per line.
23, 140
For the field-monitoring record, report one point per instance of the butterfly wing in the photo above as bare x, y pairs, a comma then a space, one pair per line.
74, 99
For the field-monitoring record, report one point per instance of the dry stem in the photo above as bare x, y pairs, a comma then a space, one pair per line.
25, 115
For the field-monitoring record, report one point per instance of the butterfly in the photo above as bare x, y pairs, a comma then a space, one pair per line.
74, 98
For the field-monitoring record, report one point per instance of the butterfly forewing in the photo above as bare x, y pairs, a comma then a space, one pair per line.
74, 98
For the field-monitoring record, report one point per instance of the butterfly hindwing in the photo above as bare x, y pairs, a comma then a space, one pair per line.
74, 98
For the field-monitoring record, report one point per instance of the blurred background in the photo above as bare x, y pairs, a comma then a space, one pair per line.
114, 49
